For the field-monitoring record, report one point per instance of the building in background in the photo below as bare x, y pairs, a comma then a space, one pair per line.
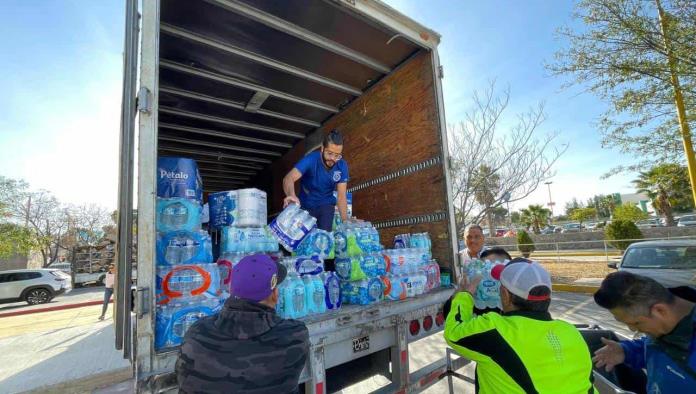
640, 199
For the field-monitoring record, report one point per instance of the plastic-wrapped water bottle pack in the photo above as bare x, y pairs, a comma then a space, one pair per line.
174, 319
488, 291
291, 226
247, 240
317, 243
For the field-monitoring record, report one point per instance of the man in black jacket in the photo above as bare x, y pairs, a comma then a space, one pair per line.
247, 348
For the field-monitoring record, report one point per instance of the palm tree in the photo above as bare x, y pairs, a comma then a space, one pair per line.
486, 189
667, 186
535, 216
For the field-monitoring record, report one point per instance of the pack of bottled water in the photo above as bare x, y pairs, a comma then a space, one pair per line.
187, 282
177, 214
174, 319
223, 209
247, 240
291, 226
309, 294
305, 265
184, 247
417, 240
394, 287
356, 238
365, 266
317, 243
363, 292
488, 291
251, 208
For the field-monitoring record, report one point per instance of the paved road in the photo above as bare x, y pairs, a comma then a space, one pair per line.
74, 296
47, 348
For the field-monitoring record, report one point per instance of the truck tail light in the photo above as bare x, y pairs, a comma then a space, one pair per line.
414, 327
440, 319
428, 323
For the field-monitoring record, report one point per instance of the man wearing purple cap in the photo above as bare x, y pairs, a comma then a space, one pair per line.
523, 350
247, 347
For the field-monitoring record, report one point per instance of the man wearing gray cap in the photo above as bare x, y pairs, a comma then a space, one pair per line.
247, 348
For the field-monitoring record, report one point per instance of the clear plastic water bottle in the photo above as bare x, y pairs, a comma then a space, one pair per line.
174, 216
280, 306
332, 287
309, 294
295, 304
344, 267
319, 294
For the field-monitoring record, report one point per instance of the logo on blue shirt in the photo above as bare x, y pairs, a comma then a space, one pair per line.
337, 176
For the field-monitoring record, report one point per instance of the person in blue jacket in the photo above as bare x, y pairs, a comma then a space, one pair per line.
668, 352
321, 173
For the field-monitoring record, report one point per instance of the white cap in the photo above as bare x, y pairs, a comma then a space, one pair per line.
520, 276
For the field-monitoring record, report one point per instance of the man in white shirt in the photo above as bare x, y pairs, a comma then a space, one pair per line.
108, 290
474, 239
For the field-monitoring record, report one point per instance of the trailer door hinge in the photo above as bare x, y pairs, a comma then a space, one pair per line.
144, 100
142, 302
441, 72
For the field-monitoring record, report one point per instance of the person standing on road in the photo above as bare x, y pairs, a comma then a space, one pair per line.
668, 352
108, 290
522, 350
247, 347
321, 173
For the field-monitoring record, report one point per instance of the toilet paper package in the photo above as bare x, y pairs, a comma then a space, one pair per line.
252, 208
178, 177
224, 209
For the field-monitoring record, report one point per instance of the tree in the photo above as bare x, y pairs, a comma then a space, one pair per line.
668, 187
621, 56
15, 239
516, 217
572, 205
629, 212
622, 233
520, 158
525, 244
500, 216
583, 214
487, 188
535, 216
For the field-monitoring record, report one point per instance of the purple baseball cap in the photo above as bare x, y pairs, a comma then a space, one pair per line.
255, 277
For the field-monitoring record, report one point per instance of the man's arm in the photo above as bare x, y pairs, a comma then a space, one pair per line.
342, 200
289, 187
471, 336
634, 352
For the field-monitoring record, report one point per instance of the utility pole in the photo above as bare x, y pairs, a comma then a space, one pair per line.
551, 203
678, 99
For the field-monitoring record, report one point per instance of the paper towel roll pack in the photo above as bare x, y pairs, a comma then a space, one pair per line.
251, 209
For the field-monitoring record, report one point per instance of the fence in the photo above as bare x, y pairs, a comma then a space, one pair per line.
593, 248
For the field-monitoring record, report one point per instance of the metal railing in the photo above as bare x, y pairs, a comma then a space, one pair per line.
604, 248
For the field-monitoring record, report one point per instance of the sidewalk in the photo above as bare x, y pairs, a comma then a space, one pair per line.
51, 348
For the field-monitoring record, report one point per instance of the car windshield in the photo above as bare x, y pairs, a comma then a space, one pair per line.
678, 257
688, 218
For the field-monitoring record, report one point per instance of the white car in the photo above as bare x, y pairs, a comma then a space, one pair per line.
672, 262
37, 286
687, 221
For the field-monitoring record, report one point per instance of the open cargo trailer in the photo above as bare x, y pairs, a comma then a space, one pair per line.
247, 88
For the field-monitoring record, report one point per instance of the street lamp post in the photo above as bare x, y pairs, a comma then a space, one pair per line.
551, 203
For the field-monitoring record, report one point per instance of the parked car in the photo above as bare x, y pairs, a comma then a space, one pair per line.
647, 223
687, 221
672, 262
37, 286
548, 230
592, 226
572, 228
499, 232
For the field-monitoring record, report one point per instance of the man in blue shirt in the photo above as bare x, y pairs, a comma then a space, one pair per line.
321, 173
668, 352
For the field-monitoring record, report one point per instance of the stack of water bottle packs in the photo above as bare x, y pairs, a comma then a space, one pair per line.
488, 291
360, 263
308, 289
188, 282
412, 271
239, 217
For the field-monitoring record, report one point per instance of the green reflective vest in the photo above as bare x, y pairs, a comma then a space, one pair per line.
519, 352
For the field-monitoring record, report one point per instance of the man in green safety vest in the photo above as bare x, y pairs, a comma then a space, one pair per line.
522, 350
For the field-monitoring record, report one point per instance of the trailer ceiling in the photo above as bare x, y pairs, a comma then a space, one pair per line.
243, 81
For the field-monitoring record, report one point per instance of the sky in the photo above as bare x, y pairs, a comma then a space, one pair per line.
61, 76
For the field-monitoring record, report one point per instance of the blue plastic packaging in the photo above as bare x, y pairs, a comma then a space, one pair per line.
223, 208
332, 290
308, 265
178, 177
178, 214
184, 247
177, 282
173, 320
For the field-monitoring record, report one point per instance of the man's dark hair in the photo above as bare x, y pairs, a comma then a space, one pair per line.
634, 293
532, 306
333, 137
496, 250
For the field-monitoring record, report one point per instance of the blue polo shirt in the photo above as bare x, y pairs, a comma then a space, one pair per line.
317, 182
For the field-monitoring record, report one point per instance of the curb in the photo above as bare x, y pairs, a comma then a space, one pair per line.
87, 384
575, 288
53, 308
